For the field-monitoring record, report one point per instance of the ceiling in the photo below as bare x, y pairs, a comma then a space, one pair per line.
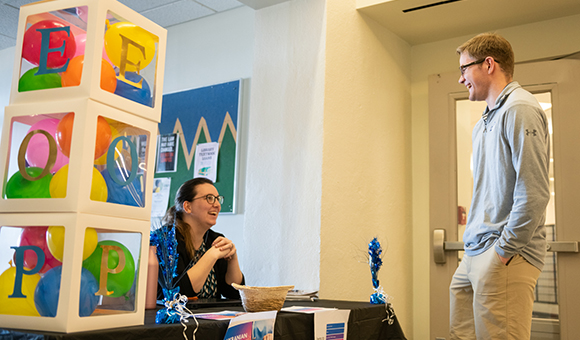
427, 21
415, 21
163, 12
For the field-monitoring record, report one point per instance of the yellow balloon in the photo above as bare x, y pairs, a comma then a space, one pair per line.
58, 185
99, 190
103, 159
18, 306
91, 240
137, 43
55, 242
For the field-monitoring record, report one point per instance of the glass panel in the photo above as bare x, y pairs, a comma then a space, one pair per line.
31, 261
467, 115
118, 173
51, 41
133, 51
38, 159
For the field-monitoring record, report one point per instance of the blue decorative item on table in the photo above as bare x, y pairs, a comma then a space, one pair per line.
174, 309
375, 263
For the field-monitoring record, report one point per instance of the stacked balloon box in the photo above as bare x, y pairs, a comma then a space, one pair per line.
51, 147
93, 48
78, 148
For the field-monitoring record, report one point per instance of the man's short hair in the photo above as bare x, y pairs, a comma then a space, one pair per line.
490, 45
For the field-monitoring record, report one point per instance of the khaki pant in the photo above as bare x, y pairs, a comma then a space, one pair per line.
492, 301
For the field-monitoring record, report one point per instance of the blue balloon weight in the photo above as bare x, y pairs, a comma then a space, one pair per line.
130, 194
48, 291
140, 95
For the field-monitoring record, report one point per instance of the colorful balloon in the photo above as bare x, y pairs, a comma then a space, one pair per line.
118, 283
59, 39
36, 236
133, 42
64, 135
55, 241
38, 147
81, 41
48, 292
20, 187
130, 194
140, 95
14, 305
31, 82
72, 76
104, 134
58, 185
103, 159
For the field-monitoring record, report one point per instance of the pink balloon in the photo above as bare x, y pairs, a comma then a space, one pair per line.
38, 147
82, 13
81, 41
36, 236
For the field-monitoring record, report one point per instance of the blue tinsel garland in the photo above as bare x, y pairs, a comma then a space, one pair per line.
164, 239
375, 263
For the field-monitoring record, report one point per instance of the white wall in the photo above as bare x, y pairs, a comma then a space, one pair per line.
283, 188
208, 51
6, 63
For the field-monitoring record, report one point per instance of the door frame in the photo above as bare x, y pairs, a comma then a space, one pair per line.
558, 77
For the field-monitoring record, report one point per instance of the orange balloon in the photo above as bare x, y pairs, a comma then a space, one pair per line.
104, 135
64, 135
74, 71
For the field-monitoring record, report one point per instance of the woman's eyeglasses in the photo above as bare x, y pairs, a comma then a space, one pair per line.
211, 199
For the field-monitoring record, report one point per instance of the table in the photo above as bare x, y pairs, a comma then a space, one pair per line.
365, 323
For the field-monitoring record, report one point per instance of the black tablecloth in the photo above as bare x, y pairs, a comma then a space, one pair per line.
366, 322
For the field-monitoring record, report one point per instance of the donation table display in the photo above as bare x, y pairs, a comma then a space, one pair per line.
365, 323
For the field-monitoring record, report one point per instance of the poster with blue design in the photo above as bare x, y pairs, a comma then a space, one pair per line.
204, 115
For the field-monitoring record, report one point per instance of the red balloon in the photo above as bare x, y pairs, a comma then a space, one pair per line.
64, 135
36, 236
33, 41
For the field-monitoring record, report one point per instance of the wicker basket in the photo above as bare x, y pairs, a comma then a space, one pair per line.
260, 299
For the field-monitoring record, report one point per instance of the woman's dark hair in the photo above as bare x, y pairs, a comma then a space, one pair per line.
186, 193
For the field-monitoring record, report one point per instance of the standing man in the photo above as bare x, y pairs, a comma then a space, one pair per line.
491, 293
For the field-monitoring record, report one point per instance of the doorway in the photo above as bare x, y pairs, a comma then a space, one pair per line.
451, 122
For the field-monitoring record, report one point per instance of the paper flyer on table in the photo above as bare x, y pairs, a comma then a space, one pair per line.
206, 159
329, 323
252, 326
225, 315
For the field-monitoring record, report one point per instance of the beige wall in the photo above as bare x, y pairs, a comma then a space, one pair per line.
366, 167
530, 42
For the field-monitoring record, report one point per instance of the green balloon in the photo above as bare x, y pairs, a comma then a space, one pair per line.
20, 187
119, 283
31, 82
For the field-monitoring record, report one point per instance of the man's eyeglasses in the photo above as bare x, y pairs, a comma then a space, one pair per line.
211, 199
462, 68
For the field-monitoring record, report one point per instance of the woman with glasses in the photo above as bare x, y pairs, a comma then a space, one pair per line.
209, 259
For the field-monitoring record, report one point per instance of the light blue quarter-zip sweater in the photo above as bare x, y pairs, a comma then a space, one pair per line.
510, 173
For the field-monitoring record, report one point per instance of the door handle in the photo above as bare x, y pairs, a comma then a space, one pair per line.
441, 245
562, 246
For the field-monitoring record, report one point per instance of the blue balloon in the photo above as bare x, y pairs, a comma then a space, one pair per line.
140, 95
48, 291
130, 194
